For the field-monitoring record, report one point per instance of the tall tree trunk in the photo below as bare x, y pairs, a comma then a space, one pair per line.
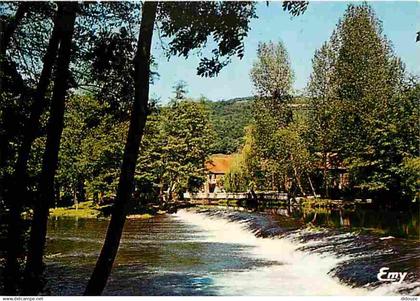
297, 177
75, 200
299, 183
18, 189
312, 186
7, 31
34, 264
109, 250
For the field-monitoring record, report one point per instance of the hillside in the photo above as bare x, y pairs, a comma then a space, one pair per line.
229, 119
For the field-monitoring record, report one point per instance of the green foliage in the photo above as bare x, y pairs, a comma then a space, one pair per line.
283, 159
365, 76
362, 107
275, 155
176, 144
271, 73
295, 8
189, 24
244, 172
410, 171
323, 131
91, 151
388, 161
187, 143
96, 64
229, 119
180, 90
178, 139
369, 80
322, 99
272, 78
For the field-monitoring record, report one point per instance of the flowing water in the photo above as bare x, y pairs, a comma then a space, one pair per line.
230, 252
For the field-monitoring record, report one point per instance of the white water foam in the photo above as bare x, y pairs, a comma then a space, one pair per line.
294, 272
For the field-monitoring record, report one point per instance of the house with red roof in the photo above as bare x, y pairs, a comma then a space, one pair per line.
216, 167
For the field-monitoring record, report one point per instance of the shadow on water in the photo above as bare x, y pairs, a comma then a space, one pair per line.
369, 218
159, 256
171, 256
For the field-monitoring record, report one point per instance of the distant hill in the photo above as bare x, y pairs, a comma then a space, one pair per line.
229, 118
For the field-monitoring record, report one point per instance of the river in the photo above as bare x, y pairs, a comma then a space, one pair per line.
223, 251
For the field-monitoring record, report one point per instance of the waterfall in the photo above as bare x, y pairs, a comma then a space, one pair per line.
304, 261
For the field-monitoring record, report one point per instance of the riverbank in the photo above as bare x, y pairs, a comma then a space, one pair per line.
302, 202
88, 210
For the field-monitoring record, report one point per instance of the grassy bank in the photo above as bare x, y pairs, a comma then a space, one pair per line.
325, 203
88, 210
84, 210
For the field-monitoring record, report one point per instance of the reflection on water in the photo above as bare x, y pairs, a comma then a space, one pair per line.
228, 252
160, 256
396, 223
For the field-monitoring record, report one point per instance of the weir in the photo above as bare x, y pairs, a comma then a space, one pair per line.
214, 251
212, 197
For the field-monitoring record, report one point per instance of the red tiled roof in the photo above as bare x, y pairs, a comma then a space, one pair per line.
219, 163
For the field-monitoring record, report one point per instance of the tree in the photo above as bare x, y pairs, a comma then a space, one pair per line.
7, 30
323, 107
17, 191
106, 45
369, 82
176, 144
409, 173
386, 166
82, 145
180, 89
293, 158
361, 107
21, 63
271, 74
187, 144
362, 75
103, 40
28, 46
173, 22
137, 123
27, 42
81, 116
8, 27
272, 77
34, 264
150, 166
245, 172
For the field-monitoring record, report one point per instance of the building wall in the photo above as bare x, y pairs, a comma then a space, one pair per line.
213, 183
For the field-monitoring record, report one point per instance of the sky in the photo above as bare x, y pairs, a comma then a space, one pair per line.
301, 35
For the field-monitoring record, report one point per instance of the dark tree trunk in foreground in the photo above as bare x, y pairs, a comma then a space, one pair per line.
109, 250
18, 187
7, 30
34, 265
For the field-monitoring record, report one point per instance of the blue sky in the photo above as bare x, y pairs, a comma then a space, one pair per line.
301, 35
